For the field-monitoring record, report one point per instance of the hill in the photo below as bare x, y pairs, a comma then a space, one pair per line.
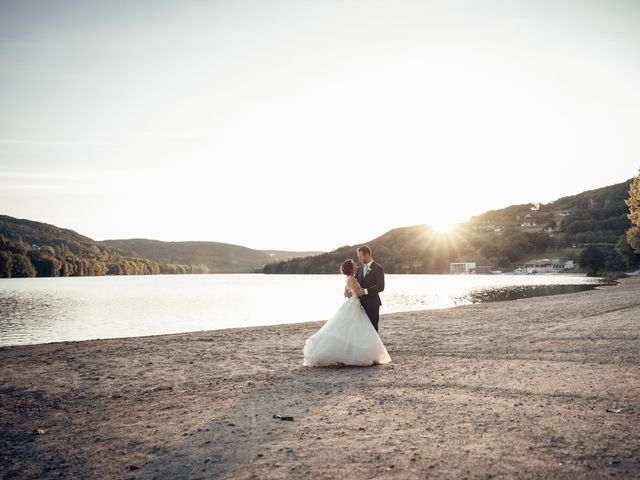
594, 216
29, 248
38, 233
501, 239
216, 256
414, 249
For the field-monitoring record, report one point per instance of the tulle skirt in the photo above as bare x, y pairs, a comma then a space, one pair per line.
348, 338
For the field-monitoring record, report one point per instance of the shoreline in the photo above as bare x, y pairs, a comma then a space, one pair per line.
542, 387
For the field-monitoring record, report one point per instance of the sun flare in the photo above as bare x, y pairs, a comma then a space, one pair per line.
443, 226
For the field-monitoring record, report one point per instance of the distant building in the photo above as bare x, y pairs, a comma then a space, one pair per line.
465, 267
546, 265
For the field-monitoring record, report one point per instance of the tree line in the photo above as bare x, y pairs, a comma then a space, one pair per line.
20, 259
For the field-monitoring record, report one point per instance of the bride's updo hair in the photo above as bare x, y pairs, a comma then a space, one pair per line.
347, 267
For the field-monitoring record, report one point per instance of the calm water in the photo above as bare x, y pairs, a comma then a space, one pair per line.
41, 310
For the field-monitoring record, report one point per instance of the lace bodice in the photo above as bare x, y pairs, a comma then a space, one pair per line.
349, 284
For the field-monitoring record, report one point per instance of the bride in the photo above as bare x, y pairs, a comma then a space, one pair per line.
348, 337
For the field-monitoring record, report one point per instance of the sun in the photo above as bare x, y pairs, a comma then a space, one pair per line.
443, 225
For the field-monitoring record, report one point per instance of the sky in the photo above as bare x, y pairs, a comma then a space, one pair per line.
309, 124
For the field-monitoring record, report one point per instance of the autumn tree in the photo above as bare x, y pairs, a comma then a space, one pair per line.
21, 266
633, 202
6, 260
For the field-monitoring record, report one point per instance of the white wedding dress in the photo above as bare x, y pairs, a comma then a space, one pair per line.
348, 337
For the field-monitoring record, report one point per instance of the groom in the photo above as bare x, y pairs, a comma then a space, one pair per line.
370, 276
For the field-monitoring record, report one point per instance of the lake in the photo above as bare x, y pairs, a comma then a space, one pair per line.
42, 310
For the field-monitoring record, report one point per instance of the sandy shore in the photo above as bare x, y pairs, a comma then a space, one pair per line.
545, 387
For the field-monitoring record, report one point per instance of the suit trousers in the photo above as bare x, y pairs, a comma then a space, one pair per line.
373, 312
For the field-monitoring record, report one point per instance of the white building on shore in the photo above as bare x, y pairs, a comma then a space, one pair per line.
463, 267
546, 265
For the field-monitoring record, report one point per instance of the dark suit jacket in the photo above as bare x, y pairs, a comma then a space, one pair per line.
373, 282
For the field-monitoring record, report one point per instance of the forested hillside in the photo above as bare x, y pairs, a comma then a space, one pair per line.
501, 239
29, 249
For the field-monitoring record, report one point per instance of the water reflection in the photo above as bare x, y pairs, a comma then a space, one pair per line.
40, 310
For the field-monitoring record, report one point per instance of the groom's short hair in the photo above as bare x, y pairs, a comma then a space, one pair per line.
364, 249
